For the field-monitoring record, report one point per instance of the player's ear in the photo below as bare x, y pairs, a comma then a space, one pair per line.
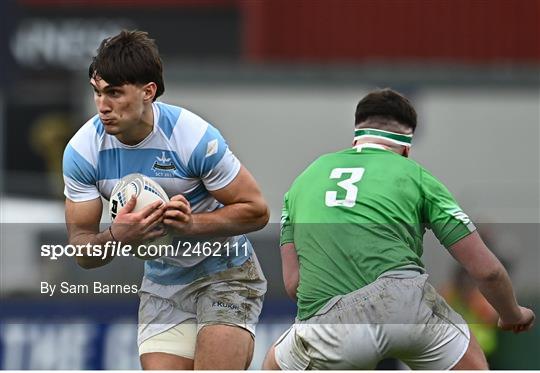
149, 90
406, 151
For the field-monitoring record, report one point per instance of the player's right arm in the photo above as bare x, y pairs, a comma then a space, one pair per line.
83, 205
493, 281
82, 220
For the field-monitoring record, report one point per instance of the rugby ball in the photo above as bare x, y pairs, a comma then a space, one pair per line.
146, 190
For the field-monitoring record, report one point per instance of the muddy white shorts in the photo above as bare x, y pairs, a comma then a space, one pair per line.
231, 297
393, 317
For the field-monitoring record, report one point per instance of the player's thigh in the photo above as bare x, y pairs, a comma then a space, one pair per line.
473, 359
270, 362
172, 349
223, 347
164, 361
232, 297
230, 303
438, 339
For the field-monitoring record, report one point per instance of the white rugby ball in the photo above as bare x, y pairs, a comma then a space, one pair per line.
146, 190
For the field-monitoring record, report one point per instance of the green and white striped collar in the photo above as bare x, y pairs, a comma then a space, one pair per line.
396, 138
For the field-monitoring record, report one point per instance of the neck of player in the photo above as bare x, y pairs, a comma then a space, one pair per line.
388, 145
140, 129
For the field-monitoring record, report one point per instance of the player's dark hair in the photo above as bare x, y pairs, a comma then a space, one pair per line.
385, 106
130, 57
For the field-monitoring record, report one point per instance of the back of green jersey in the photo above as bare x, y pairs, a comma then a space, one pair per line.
358, 213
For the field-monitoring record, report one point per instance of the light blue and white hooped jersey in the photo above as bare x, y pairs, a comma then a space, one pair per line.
184, 154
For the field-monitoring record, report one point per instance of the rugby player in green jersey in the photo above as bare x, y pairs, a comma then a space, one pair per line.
351, 246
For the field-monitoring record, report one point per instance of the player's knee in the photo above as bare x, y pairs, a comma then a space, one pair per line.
223, 347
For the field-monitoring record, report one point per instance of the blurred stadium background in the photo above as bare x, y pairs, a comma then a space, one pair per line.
280, 79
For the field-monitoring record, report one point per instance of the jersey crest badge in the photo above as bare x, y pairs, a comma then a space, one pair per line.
163, 163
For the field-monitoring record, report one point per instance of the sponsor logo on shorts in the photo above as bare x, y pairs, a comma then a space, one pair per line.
225, 305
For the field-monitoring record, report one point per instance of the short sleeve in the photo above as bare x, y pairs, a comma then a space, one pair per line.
441, 212
213, 161
287, 231
80, 177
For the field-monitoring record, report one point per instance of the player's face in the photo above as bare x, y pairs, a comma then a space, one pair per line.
119, 107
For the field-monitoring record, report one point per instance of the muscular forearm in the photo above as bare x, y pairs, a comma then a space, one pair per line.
291, 269
238, 218
291, 285
85, 238
488, 272
291, 275
497, 289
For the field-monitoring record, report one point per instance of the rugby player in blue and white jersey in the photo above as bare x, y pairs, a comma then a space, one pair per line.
195, 312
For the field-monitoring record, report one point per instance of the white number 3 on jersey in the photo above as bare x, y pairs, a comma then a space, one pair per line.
347, 184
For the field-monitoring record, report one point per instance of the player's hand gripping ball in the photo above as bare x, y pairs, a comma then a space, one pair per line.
147, 191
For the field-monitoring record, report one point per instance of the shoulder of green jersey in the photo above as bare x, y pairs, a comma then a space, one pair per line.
458, 214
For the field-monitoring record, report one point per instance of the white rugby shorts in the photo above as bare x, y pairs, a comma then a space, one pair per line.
393, 317
230, 297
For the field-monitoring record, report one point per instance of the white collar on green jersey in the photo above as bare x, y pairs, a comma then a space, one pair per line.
396, 138
369, 145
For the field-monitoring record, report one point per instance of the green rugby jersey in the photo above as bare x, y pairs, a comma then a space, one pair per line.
358, 213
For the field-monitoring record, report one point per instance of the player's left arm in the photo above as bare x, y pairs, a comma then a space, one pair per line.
290, 267
290, 264
244, 210
455, 231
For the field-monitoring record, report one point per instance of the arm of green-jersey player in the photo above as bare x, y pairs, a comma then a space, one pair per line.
493, 281
290, 268
289, 258
456, 232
